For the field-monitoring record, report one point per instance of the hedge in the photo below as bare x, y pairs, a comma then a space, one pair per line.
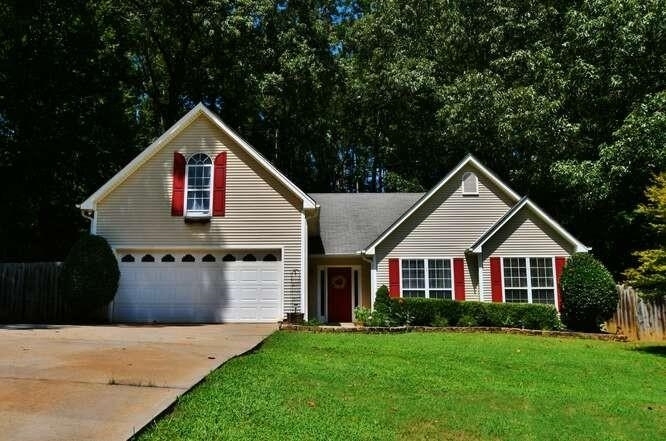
440, 312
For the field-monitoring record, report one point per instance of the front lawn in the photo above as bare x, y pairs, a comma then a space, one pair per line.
427, 387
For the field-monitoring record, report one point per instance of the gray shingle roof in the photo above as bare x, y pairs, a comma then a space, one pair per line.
348, 222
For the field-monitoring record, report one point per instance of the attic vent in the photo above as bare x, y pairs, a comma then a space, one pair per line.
470, 184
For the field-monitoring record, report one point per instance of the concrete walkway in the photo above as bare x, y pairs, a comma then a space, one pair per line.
105, 382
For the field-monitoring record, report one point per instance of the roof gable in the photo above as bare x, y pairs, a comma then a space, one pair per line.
348, 221
525, 203
198, 111
468, 160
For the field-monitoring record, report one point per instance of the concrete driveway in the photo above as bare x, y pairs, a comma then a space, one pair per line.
105, 382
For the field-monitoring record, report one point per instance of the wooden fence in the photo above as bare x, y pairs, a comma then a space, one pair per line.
637, 319
29, 293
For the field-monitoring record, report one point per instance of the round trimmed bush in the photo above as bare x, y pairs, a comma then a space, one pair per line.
589, 295
89, 276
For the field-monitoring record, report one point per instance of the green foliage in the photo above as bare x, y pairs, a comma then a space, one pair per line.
89, 276
383, 300
589, 294
468, 386
312, 322
564, 100
434, 312
467, 321
367, 317
650, 275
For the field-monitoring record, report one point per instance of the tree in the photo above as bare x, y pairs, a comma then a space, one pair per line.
650, 274
89, 276
65, 121
589, 295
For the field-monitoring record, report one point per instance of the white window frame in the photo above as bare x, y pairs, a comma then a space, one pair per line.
475, 192
529, 278
427, 277
198, 213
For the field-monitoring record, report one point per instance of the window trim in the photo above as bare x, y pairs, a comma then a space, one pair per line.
529, 278
199, 215
427, 277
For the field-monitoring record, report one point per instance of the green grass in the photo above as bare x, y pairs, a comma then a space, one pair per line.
427, 387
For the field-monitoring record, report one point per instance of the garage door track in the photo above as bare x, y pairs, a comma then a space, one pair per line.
105, 382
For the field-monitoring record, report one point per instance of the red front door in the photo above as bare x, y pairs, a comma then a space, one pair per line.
339, 295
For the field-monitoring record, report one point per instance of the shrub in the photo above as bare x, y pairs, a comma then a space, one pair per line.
440, 322
467, 320
589, 294
366, 317
523, 315
435, 312
383, 301
313, 322
89, 276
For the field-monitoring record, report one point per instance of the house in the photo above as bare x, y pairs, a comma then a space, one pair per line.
205, 229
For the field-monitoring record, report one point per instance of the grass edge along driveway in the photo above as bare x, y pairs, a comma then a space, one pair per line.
301, 386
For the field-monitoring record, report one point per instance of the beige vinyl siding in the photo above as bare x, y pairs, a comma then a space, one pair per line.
445, 226
525, 235
320, 262
259, 211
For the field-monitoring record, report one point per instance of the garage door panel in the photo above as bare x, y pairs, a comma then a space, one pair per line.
198, 291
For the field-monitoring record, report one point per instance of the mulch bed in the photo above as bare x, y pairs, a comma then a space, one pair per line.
492, 330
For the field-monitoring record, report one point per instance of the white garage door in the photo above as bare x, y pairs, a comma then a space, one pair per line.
198, 288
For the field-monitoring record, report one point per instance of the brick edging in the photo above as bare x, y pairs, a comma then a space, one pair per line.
455, 329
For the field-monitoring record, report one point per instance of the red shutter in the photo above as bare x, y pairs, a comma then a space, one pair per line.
220, 184
560, 261
178, 185
496, 279
394, 277
459, 278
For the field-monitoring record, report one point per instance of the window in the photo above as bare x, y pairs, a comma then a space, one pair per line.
127, 258
249, 258
187, 258
147, 258
229, 258
355, 288
439, 278
437, 285
529, 280
322, 293
168, 258
208, 258
270, 258
197, 196
470, 184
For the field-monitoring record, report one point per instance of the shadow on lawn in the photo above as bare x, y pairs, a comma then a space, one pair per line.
654, 350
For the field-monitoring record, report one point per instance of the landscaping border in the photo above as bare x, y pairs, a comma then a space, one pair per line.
453, 329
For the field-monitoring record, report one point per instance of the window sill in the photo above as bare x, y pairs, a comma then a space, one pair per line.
197, 219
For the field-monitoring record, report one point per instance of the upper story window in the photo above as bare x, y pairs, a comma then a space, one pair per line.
199, 189
470, 184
